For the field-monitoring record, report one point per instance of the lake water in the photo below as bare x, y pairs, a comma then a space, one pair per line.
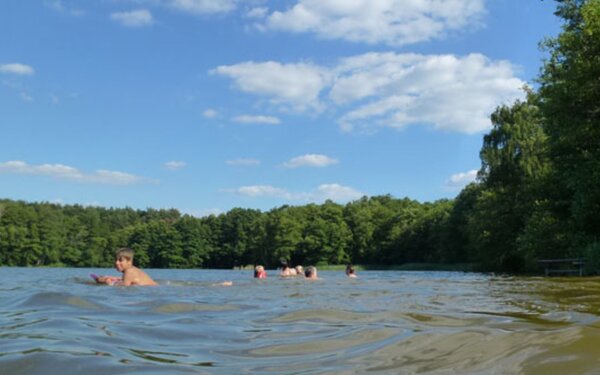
56, 321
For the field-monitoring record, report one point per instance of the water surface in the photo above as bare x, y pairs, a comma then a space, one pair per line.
56, 321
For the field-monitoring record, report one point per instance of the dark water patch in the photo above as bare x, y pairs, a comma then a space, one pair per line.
45, 363
314, 344
532, 319
319, 315
177, 308
22, 323
53, 299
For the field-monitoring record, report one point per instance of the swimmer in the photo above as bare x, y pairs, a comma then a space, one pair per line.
311, 273
259, 272
286, 271
299, 270
350, 271
131, 274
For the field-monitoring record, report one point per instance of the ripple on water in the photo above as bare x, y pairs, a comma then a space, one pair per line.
381, 323
53, 299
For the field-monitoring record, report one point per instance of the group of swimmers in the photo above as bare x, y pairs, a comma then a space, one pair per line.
308, 273
135, 276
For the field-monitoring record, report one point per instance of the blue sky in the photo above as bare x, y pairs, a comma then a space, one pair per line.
207, 105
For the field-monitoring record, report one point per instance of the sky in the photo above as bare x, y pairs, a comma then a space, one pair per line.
208, 105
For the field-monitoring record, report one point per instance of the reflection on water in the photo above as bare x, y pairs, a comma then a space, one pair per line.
55, 321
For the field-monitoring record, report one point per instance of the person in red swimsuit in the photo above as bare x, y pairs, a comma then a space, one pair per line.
259, 272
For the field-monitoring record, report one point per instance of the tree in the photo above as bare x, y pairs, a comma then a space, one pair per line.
514, 164
570, 102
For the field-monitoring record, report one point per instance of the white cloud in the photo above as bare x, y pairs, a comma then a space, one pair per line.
296, 85
243, 162
25, 96
451, 93
448, 92
60, 171
202, 6
460, 180
392, 22
175, 165
334, 192
310, 160
247, 119
258, 12
18, 69
60, 7
134, 18
210, 113
255, 191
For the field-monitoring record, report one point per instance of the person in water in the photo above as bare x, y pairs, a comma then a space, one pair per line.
286, 271
131, 274
350, 271
259, 272
311, 273
299, 270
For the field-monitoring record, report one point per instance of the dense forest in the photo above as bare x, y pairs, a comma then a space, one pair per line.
537, 196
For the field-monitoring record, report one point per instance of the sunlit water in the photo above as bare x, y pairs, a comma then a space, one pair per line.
56, 321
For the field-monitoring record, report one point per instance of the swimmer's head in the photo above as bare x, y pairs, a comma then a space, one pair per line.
311, 272
124, 252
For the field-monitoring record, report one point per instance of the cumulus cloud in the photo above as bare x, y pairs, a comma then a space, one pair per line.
58, 6
392, 22
175, 165
247, 119
460, 180
134, 18
18, 69
255, 191
448, 92
310, 160
334, 192
243, 162
210, 113
258, 12
294, 85
65, 172
202, 6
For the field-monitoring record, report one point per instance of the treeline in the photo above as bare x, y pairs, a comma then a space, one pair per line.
537, 196
376, 230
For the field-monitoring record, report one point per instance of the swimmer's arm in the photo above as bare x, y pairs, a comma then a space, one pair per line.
109, 280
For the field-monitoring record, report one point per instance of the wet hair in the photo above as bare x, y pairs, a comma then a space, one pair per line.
349, 269
124, 252
310, 270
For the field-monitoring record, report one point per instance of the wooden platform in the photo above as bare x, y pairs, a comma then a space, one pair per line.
569, 266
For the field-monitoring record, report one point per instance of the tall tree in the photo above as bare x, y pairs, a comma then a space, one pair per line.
570, 102
513, 164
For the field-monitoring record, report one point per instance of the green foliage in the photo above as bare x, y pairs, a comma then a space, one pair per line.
377, 230
570, 102
592, 258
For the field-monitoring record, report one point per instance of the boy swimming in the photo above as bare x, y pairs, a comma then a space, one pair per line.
131, 274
